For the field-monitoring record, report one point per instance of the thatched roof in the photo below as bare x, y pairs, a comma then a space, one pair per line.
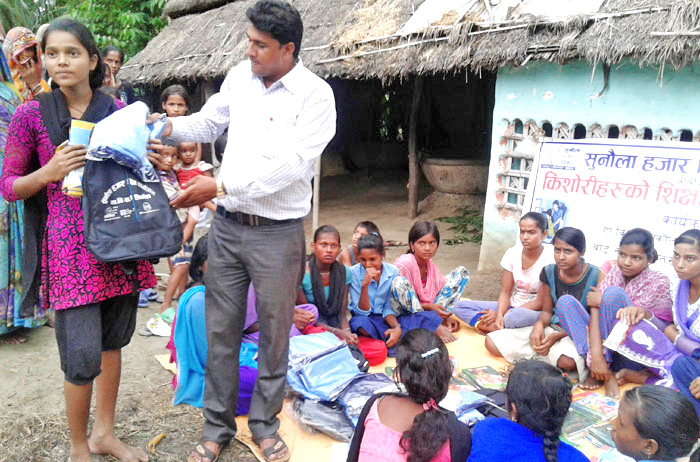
648, 32
384, 38
209, 43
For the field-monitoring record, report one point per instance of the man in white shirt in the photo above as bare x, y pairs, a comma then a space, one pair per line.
280, 117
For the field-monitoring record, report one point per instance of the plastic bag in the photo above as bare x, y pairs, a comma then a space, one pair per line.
357, 392
329, 373
122, 137
301, 346
328, 418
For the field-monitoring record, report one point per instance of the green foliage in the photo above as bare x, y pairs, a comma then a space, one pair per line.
127, 24
468, 226
29, 13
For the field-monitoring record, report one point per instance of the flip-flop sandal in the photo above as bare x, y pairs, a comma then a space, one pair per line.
278, 446
204, 453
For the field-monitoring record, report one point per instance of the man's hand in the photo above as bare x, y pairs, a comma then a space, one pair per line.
197, 191
392, 336
168, 130
153, 153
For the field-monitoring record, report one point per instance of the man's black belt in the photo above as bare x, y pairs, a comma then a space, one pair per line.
251, 220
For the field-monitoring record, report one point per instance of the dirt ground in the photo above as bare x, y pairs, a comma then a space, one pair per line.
32, 421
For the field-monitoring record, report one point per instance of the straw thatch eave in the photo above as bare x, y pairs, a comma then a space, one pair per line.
648, 32
208, 44
176, 8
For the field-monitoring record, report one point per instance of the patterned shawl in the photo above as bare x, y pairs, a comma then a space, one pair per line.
18, 41
649, 290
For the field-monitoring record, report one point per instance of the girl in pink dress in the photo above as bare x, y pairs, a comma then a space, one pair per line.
397, 427
95, 302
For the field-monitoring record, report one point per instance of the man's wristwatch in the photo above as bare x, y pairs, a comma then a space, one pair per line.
220, 191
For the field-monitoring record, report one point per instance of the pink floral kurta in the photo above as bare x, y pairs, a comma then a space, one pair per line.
71, 275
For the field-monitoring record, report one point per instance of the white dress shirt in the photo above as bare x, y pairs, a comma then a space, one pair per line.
275, 135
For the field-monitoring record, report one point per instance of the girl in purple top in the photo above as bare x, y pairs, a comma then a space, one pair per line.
95, 302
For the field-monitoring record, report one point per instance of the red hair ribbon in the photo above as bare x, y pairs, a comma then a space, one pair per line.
430, 405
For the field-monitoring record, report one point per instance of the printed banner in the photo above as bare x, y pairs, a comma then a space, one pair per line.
606, 186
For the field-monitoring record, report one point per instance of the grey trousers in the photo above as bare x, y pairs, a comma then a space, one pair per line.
273, 258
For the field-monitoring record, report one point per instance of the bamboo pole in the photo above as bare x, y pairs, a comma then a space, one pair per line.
317, 194
412, 154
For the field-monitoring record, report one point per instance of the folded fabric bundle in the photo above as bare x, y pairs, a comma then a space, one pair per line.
122, 137
327, 418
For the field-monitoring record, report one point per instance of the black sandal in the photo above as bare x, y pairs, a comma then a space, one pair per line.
278, 446
204, 453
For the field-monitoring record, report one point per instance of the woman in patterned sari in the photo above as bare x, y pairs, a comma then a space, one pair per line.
11, 223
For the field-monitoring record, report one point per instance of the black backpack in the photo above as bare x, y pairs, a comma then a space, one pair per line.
125, 218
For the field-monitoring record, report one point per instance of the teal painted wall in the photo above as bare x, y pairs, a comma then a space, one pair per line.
547, 92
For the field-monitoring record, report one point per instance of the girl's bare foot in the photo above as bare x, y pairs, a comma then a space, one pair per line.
79, 454
444, 333
624, 376
109, 445
590, 383
611, 388
451, 324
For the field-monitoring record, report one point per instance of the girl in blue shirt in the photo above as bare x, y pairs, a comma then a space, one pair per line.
370, 297
538, 399
655, 424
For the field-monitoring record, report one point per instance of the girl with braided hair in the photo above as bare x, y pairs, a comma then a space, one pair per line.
538, 398
397, 427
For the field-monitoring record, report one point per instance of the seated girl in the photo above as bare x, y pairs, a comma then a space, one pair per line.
326, 285
370, 298
538, 399
348, 256
420, 286
655, 424
686, 376
629, 289
517, 303
654, 346
397, 427
188, 342
564, 285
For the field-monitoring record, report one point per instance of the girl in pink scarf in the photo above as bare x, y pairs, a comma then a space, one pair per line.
421, 287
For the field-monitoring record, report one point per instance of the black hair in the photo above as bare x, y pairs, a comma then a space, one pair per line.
279, 19
542, 396
167, 141
666, 416
326, 229
199, 256
111, 91
110, 48
178, 90
80, 32
371, 241
424, 368
572, 236
691, 236
556, 202
642, 238
539, 219
369, 226
420, 229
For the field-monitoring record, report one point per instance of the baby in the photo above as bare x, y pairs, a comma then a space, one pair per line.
189, 168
